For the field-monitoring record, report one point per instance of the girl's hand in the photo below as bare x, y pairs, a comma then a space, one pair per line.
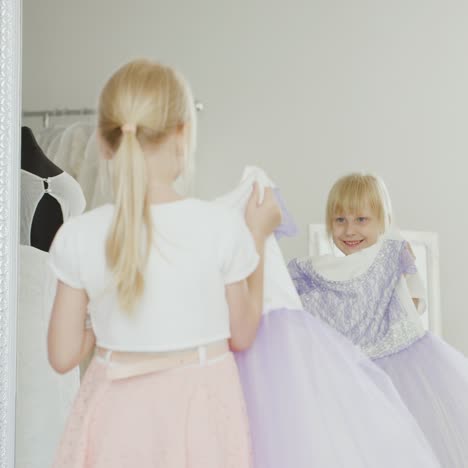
262, 219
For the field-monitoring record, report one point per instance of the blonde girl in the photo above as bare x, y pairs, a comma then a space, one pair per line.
373, 295
171, 284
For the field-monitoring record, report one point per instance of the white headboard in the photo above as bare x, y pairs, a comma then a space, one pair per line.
425, 246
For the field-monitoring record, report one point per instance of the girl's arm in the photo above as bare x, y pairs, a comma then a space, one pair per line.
245, 298
68, 341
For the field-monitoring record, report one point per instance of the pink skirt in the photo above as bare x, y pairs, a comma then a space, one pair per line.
192, 417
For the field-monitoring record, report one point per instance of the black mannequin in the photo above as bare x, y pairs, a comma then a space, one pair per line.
48, 216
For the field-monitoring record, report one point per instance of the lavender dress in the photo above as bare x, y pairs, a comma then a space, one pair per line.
371, 309
313, 398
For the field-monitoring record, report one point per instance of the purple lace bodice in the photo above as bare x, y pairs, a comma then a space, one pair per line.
366, 309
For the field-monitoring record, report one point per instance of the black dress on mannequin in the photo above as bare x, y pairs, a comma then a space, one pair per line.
48, 216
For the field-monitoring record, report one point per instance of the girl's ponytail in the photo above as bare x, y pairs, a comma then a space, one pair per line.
139, 107
130, 235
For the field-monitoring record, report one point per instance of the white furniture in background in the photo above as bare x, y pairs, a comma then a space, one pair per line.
426, 249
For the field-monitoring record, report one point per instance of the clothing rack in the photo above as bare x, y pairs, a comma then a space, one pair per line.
46, 114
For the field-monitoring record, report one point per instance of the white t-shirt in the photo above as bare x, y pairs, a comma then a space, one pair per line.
199, 247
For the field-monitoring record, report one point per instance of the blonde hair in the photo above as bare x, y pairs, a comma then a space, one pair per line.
353, 192
142, 104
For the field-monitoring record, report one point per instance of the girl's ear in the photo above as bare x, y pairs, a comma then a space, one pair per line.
180, 138
181, 129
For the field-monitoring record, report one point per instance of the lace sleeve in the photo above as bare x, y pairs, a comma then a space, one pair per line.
413, 279
301, 279
407, 260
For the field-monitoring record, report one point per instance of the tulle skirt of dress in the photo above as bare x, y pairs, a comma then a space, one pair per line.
315, 401
432, 379
192, 417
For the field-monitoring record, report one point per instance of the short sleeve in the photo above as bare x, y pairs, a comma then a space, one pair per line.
407, 260
64, 255
413, 279
302, 281
239, 257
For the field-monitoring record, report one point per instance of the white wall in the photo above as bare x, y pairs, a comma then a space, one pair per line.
307, 89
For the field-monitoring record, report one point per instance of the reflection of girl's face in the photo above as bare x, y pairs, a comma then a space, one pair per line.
352, 232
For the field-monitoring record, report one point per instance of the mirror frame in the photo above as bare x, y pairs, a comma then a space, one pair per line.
10, 112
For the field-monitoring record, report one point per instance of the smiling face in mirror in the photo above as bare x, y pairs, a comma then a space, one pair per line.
356, 231
357, 208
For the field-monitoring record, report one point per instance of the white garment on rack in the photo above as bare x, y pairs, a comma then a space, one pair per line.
43, 136
44, 398
71, 150
64, 188
75, 150
46, 136
88, 170
54, 144
93, 176
103, 184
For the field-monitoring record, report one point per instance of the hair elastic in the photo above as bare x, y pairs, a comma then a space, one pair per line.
128, 128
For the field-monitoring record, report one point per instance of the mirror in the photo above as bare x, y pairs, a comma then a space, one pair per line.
306, 90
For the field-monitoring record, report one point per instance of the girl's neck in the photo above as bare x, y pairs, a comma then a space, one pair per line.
161, 193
